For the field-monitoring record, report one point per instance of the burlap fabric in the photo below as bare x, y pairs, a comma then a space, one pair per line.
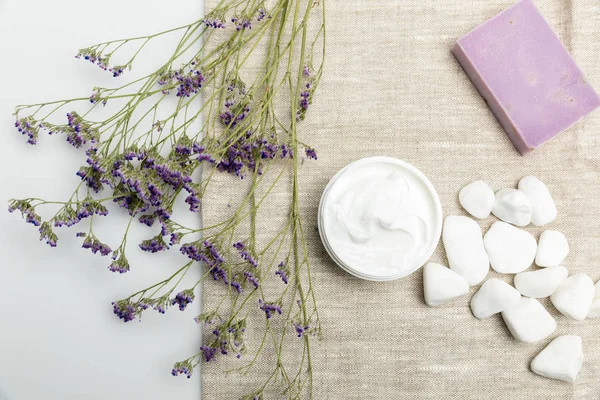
391, 87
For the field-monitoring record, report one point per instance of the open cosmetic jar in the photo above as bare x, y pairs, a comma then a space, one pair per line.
380, 218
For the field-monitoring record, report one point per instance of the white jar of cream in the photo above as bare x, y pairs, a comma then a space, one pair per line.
380, 218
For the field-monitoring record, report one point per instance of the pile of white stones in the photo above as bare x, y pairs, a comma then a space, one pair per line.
511, 250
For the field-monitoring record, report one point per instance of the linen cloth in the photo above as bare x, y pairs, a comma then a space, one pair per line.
391, 87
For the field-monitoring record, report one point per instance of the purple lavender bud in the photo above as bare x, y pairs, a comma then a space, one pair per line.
262, 13
147, 219
311, 153
154, 245
208, 352
162, 214
236, 286
183, 299
282, 275
175, 238
269, 308
121, 265
194, 202
252, 279
198, 149
125, 310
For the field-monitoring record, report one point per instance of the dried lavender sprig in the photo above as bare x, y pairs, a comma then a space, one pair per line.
137, 197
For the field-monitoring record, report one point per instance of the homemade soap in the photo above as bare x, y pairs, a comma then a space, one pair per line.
526, 75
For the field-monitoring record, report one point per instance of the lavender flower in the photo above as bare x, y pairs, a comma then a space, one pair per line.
90, 207
237, 286
269, 308
47, 234
78, 131
184, 368
120, 265
205, 157
306, 94
311, 153
209, 353
163, 214
214, 22
191, 251
66, 217
154, 245
262, 14
183, 299
147, 219
27, 211
92, 178
300, 329
212, 249
245, 254
252, 279
117, 70
282, 271
95, 57
182, 149
166, 228
246, 153
189, 84
206, 253
306, 71
194, 202
126, 310
234, 113
242, 23
175, 238
96, 246
95, 97
29, 127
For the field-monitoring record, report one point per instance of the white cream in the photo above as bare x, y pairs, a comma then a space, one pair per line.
380, 218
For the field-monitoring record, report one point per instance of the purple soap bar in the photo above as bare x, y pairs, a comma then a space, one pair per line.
525, 74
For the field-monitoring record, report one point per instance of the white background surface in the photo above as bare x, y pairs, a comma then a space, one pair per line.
58, 336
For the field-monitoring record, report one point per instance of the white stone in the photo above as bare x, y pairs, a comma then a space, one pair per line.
510, 250
574, 297
464, 248
542, 206
595, 310
541, 283
493, 297
478, 199
561, 359
512, 206
529, 321
552, 249
441, 284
